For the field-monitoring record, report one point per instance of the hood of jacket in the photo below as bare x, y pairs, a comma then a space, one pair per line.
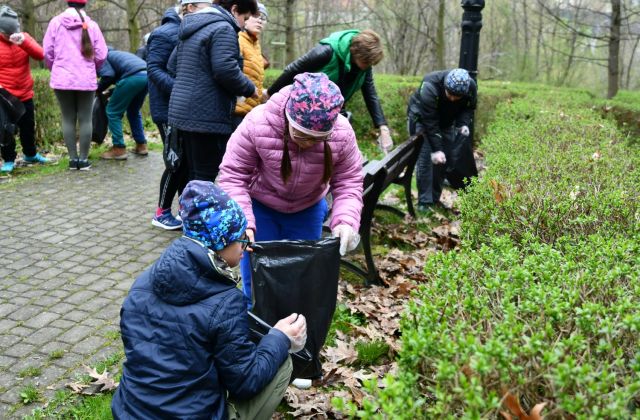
193, 22
184, 274
171, 15
71, 20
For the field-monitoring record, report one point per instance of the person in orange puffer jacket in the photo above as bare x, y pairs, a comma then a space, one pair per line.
15, 76
254, 62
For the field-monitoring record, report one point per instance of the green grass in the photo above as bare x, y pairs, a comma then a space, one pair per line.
56, 354
30, 394
344, 321
372, 352
30, 372
66, 405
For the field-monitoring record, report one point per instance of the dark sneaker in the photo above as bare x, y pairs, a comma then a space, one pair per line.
73, 164
84, 164
166, 221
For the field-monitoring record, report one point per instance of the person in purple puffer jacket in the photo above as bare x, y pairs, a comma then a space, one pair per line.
285, 157
74, 50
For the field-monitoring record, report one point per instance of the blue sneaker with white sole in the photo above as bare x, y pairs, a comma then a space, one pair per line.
166, 221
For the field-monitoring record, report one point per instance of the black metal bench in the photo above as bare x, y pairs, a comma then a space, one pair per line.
395, 168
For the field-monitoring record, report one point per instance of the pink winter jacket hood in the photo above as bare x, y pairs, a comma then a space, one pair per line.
63, 56
251, 167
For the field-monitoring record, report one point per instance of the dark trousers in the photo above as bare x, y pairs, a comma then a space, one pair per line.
171, 182
430, 177
27, 128
204, 152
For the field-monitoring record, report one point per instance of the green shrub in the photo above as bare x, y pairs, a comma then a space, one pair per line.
542, 298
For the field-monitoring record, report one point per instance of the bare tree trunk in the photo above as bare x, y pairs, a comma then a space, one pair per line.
290, 31
614, 50
525, 51
440, 46
539, 40
132, 25
29, 18
630, 65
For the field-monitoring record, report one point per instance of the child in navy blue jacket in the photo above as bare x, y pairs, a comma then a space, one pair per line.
185, 331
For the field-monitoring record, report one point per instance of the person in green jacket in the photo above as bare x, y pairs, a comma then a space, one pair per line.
346, 57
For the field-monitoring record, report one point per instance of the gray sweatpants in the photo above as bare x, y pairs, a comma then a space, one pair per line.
76, 106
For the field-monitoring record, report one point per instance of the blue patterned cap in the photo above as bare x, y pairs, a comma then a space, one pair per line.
457, 82
210, 216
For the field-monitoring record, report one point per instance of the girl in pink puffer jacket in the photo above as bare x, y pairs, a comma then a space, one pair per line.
74, 49
285, 157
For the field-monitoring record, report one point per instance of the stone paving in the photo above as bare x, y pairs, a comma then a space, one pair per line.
71, 245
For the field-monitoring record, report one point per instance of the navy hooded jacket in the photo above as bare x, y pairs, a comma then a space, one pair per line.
186, 339
160, 44
208, 73
117, 66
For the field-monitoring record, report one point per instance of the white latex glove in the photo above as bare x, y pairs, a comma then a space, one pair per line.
17, 38
438, 158
349, 238
295, 327
385, 142
464, 130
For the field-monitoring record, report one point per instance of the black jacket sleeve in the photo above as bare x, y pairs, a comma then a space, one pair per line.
428, 119
372, 101
312, 61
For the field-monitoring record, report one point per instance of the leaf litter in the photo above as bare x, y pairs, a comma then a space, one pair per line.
401, 271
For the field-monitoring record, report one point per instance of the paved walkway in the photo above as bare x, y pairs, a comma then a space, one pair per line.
71, 244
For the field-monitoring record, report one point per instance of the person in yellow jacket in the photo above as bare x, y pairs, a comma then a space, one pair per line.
254, 63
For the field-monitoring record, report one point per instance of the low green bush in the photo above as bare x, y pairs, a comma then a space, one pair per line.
542, 298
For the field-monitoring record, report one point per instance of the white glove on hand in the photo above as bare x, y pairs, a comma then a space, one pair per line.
295, 328
438, 158
17, 38
464, 130
385, 142
349, 238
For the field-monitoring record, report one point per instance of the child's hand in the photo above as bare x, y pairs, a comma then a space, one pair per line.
17, 38
295, 327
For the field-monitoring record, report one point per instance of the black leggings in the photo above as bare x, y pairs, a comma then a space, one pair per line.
204, 153
171, 182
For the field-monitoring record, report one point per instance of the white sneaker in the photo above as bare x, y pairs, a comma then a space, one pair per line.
301, 383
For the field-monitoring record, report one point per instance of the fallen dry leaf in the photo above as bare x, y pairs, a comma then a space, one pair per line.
512, 403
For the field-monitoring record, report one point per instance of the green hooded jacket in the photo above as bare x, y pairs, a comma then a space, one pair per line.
340, 42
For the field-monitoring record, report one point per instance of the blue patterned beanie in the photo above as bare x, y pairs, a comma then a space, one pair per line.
457, 82
210, 216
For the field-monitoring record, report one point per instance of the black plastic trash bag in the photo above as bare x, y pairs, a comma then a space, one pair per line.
461, 166
258, 328
99, 119
300, 277
172, 152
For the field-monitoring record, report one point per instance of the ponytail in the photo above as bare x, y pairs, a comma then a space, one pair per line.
328, 163
285, 164
86, 46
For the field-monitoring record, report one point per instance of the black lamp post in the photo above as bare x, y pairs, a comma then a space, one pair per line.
469, 44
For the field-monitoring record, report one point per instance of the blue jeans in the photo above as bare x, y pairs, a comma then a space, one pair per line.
128, 96
272, 225
430, 177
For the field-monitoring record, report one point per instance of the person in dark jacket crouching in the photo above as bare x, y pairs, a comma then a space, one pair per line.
442, 106
185, 331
